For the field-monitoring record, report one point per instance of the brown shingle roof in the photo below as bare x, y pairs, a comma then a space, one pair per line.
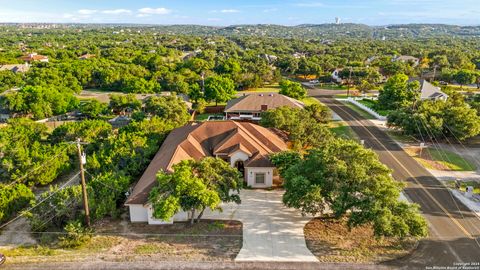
254, 102
195, 141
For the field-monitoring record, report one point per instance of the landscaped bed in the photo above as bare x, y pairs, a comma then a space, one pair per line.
439, 159
116, 240
330, 240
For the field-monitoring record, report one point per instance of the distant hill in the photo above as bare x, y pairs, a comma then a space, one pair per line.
306, 31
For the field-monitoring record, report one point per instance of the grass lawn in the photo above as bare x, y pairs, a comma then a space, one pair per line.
265, 88
208, 240
451, 160
332, 87
310, 101
440, 159
358, 110
331, 240
397, 135
202, 116
341, 129
371, 104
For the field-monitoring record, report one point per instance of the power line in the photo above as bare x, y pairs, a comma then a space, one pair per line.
38, 203
33, 170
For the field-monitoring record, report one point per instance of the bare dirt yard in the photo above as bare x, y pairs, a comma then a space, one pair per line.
122, 241
331, 240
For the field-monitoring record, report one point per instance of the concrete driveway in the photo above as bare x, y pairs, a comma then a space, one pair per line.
271, 231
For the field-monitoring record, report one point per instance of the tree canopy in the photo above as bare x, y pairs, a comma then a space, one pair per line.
350, 181
292, 89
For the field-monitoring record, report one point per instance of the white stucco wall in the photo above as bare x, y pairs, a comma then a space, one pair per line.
239, 155
140, 213
250, 174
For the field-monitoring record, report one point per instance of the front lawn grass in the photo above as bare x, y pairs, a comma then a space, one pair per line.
112, 240
309, 101
331, 240
451, 160
266, 88
341, 129
440, 159
363, 113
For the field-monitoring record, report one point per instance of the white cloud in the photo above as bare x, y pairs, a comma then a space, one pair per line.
116, 11
157, 11
229, 11
87, 11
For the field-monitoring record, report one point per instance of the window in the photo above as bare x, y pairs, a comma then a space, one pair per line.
259, 178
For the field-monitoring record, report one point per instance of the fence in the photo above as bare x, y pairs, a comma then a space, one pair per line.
367, 109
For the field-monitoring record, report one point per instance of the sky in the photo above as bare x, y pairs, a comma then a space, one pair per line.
231, 12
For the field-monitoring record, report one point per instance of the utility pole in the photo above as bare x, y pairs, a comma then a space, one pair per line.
81, 159
349, 82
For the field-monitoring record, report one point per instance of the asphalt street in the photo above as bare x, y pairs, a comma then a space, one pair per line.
454, 229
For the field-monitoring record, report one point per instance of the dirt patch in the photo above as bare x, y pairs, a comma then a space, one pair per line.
426, 159
117, 241
330, 240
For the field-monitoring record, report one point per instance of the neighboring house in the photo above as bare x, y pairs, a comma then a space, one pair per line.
406, 59
249, 107
336, 75
243, 145
430, 92
15, 67
87, 56
34, 57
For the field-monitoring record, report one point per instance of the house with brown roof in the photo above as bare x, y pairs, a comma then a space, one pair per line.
249, 107
34, 57
245, 146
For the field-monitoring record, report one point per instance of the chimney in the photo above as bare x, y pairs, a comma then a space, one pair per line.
270, 95
264, 107
261, 95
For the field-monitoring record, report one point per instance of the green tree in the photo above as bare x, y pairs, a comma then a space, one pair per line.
292, 89
398, 92
302, 127
464, 77
170, 108
120, 103
194, 186
219, 89
93, 108
13, 198
350, 181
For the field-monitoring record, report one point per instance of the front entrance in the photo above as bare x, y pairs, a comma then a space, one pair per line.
240, 167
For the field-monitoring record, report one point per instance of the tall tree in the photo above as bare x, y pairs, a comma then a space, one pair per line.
350, 181
219, 89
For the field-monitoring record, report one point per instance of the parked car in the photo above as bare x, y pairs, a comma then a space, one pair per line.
314, 81
443, 83
2, 258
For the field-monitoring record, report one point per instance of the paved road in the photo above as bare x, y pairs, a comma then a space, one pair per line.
454, 229
271, 231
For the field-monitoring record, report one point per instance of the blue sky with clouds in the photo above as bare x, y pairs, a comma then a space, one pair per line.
228, 12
